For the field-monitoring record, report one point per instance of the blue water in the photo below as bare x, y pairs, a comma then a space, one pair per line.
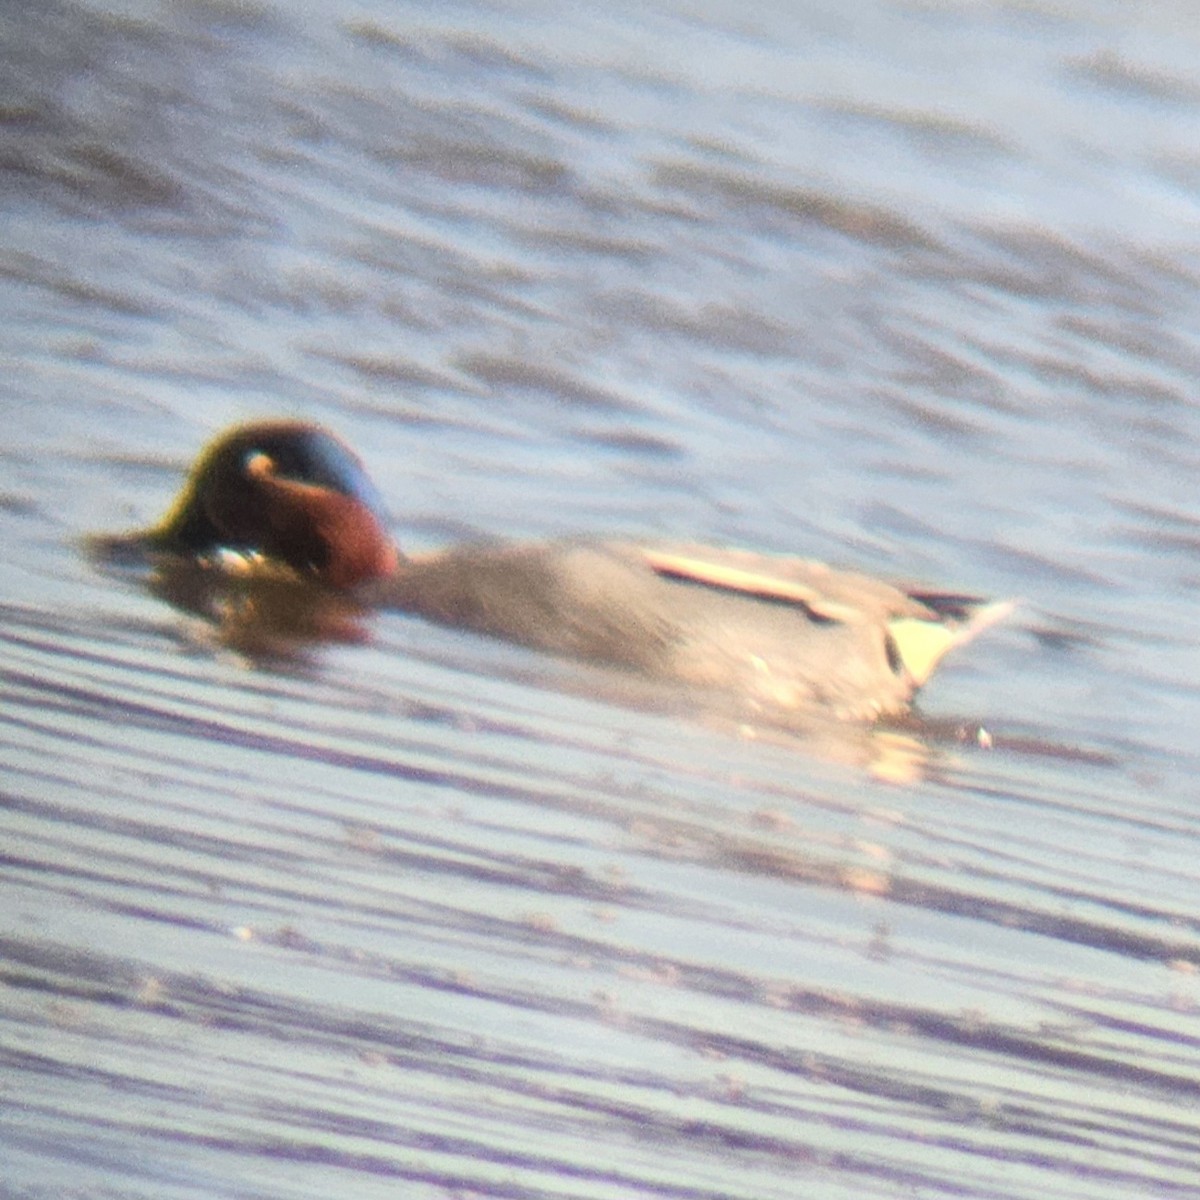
406, 912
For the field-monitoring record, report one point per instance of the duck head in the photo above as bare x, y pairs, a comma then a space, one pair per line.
288, 491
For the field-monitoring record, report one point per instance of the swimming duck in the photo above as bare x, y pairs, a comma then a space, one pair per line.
779, 633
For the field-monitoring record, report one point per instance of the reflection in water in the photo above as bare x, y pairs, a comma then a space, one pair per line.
271, 617
261, 615
354, 897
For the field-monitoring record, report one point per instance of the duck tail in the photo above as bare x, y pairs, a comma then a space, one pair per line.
922, 642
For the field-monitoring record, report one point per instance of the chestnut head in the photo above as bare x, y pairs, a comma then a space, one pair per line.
290, 492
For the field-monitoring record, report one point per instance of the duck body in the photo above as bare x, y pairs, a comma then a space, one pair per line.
779, 633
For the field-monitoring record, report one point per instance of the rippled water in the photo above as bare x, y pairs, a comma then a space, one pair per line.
408, 912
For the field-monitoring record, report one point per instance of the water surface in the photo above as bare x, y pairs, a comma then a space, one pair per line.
405, 912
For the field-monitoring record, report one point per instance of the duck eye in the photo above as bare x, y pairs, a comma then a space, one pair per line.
259, 465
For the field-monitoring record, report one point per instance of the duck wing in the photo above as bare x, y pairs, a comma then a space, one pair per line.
924, 625
848, 597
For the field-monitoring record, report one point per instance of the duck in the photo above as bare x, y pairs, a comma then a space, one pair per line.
779, 633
